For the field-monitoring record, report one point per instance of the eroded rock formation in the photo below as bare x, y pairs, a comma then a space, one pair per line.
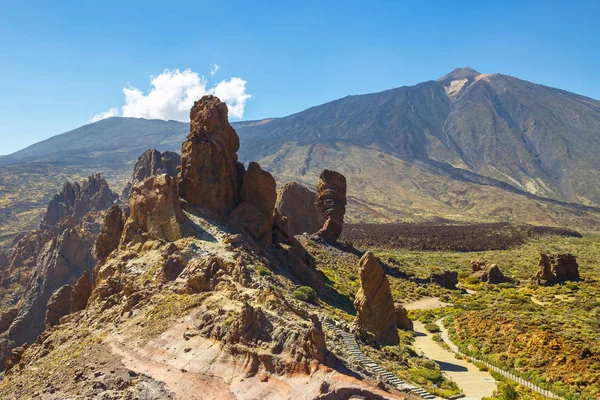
488, 273
210, 173
445, 279
43, 261
556, 268
296, 203
374, 304
68, 207
110, 235
402, 320
331, 201
154, 210
258, 195
152, 162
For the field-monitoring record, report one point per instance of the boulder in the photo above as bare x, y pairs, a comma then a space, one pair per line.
210, 173
446, 279
402, 320
488, 273
296, 203
556, 268
59, 305
110, 234
155, 210
331, 201
374, 304
258, 195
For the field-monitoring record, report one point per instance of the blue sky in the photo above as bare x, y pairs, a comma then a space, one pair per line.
63, 62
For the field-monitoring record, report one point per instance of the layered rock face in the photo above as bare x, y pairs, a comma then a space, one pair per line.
210, 173
154, 209
110, 235
556, 268
488, 273
255, 212
331, 201
153, 162
68, 207
374, 304
49, 259
296, 203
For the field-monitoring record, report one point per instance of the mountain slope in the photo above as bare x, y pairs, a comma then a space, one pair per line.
467, 146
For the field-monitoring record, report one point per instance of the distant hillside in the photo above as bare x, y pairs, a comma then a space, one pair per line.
467, 146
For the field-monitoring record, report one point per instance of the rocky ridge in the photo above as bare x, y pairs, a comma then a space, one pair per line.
205, 259
53, 259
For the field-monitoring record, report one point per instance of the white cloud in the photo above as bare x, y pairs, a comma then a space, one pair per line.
173, 93
113, 112
214, 69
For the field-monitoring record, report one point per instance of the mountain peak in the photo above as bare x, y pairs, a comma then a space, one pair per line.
459, 73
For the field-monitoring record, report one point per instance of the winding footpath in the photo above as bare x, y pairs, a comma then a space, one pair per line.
349, 341
445, 337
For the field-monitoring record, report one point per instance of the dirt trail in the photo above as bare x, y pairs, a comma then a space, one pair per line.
475, 384
425, 303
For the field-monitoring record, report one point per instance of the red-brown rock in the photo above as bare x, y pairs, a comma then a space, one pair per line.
210, 174
402, 320
488, 273
155, 210
374, 304
255, 212
59, 305
331, 201
153, 162
296, 203
110, 235
81, 293
556, 268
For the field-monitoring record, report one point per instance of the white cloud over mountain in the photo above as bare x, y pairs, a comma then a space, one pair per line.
173, 93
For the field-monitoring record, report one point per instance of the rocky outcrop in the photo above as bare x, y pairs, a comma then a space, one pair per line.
59, 305
153, 162
255, 212
374, 304
43, 261
68, 207
402, 320
331, 201
488, 273
296, 203
3, 261
155, 210
7, 318
556, 268
110, 234
446, 279
210, 173
81, 293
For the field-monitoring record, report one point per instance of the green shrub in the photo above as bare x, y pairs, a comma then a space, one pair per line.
432, 328
306, 293
263, 271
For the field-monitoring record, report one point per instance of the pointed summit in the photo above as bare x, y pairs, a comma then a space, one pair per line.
459, 73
